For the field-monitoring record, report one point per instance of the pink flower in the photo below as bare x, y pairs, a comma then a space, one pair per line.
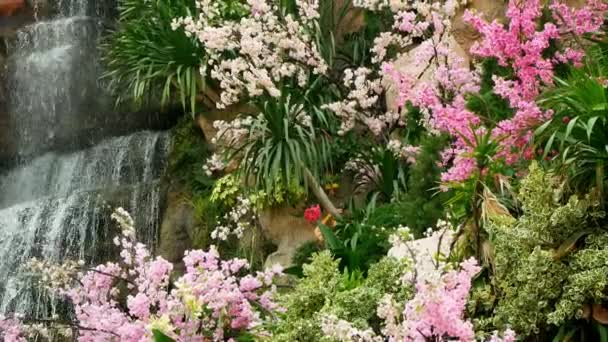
313, 214
139, 306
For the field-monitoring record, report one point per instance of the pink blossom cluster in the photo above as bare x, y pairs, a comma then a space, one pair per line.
11, 330
442, 96
587, 19
364, 105
520, 45
267, 47
438, 307
212, 301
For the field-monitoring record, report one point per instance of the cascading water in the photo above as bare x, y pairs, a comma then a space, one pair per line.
55, 207
53, 79
55, 203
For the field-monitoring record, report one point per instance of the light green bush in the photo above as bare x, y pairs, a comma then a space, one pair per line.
549, 262
325, 290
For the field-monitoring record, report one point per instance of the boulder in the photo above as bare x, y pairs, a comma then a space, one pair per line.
176, 230
286, 228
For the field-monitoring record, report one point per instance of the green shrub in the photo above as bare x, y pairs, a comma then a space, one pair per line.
325, 290
357, 245
421, 205
549, 262
189, 153
146, 60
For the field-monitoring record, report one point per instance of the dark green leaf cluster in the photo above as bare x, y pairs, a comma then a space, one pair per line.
281, 145
149, 63
576, 136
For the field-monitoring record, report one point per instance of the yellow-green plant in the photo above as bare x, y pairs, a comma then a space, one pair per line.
549, 263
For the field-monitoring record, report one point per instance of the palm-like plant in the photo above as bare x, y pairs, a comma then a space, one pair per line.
288, 141
579, 129
148, 62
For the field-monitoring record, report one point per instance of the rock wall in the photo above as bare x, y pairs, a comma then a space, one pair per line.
286, 228
14, 14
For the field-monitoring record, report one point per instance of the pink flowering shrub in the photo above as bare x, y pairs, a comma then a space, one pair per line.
520, 46
130, 300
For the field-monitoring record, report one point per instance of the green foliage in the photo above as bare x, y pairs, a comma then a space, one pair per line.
304, 253
206, 213
549, 262
357, 245
578, 129
147, 60
384, 174
280, 195
420, 207
325, 290
226, 190
280, 144
188, 155
160, 336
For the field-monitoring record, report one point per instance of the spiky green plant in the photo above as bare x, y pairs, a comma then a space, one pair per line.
147, 61
578, 131
380, 174
281, 146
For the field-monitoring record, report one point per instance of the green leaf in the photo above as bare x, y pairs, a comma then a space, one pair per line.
542, 128
294, 270
570, 127
331, 241
590, 125
160, 336
603, 331
568, 246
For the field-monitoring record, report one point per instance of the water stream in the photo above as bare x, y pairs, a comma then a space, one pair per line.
55, 204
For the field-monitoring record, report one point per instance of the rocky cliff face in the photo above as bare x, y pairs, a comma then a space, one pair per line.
14, 15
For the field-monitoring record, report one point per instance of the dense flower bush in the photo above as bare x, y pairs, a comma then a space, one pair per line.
268, 47
324, 290
132, 300
435, 313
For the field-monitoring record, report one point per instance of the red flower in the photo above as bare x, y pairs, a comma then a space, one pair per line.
565, 120
313, 214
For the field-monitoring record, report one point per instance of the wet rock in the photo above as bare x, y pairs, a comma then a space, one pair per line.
176, 230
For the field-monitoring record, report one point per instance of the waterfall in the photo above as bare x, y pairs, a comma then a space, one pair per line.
73, 166
56, 206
